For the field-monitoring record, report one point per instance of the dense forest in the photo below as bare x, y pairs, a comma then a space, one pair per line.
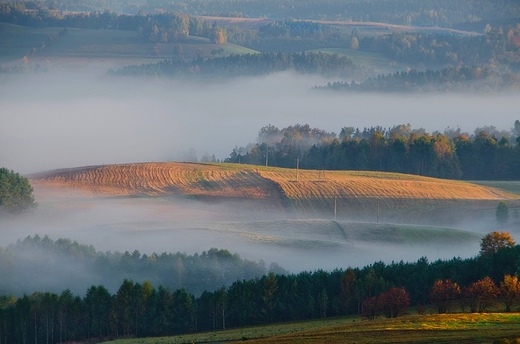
144, 309
44, 261
449, 79
488, 154
329, 65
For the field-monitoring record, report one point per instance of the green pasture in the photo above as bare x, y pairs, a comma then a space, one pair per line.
117, 46
16, 41
378, 62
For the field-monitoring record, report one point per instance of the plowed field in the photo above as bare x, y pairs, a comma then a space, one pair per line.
241, 181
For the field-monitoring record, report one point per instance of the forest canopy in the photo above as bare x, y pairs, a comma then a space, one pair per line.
329, 65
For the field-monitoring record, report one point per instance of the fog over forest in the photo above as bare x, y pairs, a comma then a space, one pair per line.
80, 117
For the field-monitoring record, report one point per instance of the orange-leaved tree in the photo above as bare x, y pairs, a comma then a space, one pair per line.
443, 294
495, 241
481, 295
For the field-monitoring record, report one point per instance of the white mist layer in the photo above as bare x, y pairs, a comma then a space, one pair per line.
57, 120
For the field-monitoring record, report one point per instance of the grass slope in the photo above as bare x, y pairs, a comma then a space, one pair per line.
117, 46
340, 235
376, 61
17, 40
443, 328
511, 186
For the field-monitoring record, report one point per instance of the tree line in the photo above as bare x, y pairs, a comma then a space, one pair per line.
36, 263
140, 309
247, 64
444, 13
149, 27
445, 80
488, 154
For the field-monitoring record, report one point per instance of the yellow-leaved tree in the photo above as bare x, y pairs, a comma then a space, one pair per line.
495, 241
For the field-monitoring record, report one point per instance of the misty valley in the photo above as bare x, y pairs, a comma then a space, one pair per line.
264, 171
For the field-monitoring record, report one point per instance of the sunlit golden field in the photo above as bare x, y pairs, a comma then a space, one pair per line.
228, 180
436, 328
356, 195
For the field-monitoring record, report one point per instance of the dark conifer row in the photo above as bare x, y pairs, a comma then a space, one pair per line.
247, 65
489, 154
141, 309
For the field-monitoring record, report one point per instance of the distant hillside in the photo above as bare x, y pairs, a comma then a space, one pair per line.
47, 47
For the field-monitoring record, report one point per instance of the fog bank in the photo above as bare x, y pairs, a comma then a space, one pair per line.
76, 118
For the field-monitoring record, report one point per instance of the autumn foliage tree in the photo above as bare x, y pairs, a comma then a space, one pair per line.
510, 291
394, 302
495, 241
218, 35
443, 294
481, 295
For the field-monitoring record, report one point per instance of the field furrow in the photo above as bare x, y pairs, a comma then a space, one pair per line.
241, 181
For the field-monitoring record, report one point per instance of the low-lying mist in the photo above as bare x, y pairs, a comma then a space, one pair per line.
175, 224
67, 118
77, 118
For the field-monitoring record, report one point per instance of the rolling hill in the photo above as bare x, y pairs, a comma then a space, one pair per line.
231, 180
357, 195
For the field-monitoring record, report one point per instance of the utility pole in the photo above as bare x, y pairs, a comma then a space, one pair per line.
335, 206
378, 210
297, 165
266, 154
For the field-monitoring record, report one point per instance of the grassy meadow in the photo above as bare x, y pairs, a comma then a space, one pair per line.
512, 186
438, 328
17, 40
118, 47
